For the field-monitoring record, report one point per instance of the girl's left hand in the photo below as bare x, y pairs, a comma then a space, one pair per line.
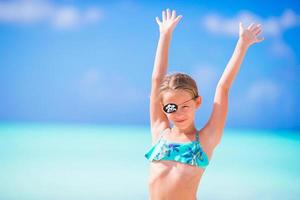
250, 35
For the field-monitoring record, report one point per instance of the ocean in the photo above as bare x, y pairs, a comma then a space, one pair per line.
80, 161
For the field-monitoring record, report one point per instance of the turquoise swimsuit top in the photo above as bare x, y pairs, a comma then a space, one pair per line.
188, 153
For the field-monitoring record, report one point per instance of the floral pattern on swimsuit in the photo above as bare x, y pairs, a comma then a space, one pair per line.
188, 153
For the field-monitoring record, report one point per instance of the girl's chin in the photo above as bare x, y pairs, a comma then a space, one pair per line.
180, 122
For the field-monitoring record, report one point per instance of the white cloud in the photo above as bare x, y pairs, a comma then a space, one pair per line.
62, 17
263, 92
263, 96
273, 26
289, 19
279, 48
23, 11
66, 17
206, 77
92, 14
217, 24
91, 78
114, 88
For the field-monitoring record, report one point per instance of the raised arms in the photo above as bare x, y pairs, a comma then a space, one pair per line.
216, 122
166, 27
247, 37
158, 118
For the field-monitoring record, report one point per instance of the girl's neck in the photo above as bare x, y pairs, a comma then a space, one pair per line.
187, 131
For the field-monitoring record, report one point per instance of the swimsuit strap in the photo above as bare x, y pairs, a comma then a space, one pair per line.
197, 136
162, 133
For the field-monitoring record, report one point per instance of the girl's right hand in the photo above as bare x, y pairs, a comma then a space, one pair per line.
169, 21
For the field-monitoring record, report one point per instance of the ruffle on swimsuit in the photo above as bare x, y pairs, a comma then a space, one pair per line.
188, 153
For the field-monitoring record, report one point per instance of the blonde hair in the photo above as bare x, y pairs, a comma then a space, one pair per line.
178, 81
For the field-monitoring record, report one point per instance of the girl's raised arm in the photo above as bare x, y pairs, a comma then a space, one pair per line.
158, 118
216, 123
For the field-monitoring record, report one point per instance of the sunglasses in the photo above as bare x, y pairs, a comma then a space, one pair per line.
172, 107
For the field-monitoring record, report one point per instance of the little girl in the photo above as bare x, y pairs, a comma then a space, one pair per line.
180, 153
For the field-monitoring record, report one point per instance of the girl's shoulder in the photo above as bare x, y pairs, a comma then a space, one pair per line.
206, 141
158, 132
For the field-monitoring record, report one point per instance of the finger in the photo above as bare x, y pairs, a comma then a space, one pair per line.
168, 13
177, 19
257, 27
241, 25
253, 27
250, 26
173, 14
158, 21
260, 39
164, 16
258, 31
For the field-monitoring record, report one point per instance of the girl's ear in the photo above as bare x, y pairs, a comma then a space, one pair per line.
198, 101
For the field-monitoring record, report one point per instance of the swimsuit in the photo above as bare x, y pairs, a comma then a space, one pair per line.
186, 152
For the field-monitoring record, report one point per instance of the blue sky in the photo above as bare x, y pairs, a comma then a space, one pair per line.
91, 61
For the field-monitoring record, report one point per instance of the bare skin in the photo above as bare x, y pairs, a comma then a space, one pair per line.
175, 180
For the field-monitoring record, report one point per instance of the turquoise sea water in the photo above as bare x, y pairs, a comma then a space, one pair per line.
59, 161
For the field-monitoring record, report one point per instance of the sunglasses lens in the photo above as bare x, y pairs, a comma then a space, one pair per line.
170, 107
